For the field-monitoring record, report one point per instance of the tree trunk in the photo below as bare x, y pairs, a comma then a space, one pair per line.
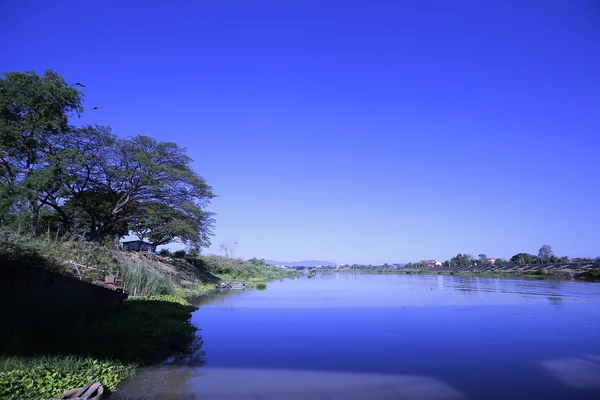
35, 218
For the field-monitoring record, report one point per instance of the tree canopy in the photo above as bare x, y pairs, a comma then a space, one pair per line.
87, 181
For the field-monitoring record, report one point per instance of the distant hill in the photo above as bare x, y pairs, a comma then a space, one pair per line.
307, 263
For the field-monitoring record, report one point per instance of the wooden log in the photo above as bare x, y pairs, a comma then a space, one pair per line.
91, 390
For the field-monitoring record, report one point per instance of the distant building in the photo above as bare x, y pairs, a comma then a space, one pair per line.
138, 245
431, 263
492, 260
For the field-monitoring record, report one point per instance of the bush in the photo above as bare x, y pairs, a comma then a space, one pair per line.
165, 252
178, 254
261, 286
49, 377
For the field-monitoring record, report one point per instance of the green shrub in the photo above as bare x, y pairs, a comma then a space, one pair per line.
204, 287
178, 254
591, 275
49, 377
171, 299
261, 286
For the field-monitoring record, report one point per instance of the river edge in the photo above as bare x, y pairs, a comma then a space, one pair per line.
592, 275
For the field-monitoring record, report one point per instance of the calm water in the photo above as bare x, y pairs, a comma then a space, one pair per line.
392, 337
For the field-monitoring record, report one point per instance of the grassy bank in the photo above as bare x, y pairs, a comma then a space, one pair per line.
109, 349
144, 275
64, 354
251, 271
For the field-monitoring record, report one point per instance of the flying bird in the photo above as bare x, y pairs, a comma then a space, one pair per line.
97, 107
78, 84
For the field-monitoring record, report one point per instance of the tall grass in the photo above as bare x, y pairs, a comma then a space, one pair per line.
229, 269
141, 281
54, 253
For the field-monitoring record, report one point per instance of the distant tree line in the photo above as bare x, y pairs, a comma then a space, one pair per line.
545, 255
85, 181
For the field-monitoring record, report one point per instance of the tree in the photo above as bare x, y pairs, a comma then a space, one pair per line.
500, 262
229, 247
34, 113
162, 224
112, 185
86, 181
545, 253
483, 259
462, 260
523, 258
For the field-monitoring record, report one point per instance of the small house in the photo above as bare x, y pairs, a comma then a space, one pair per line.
138, 245
431, 263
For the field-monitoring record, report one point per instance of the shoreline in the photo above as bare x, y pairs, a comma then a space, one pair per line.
569, 276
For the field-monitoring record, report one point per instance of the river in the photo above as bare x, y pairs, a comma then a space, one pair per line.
344, 336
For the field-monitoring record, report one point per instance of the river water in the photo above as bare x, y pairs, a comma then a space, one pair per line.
352, 337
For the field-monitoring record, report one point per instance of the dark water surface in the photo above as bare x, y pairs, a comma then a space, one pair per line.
392, 337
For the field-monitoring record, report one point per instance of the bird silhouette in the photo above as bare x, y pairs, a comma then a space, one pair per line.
97, 107
78, 84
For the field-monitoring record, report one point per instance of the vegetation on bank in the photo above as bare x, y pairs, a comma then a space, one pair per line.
590, 275
47, 377
143, 274
145, 330
109, 348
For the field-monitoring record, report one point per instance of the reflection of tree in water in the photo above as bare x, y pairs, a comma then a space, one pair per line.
170, 379
466, 284
219, 297
555, 300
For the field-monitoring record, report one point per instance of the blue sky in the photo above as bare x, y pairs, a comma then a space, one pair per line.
351, 131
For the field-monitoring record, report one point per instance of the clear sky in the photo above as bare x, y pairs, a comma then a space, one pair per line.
351, 131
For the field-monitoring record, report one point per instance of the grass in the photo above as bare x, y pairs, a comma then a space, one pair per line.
140, 332
142, 281
251, 271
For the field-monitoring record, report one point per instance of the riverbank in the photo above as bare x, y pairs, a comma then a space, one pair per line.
108, 348
589, 273
142, 273
146, 329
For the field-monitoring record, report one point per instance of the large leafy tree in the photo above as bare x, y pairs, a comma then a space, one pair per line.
111, 186
34, 113
87, 181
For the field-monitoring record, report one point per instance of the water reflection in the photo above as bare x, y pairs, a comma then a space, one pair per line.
577, 372
172, 379
235, 383
390, 337
555, 300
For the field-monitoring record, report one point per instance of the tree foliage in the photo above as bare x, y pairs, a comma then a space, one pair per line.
461, 260
545, 253
87, 181
34, 115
